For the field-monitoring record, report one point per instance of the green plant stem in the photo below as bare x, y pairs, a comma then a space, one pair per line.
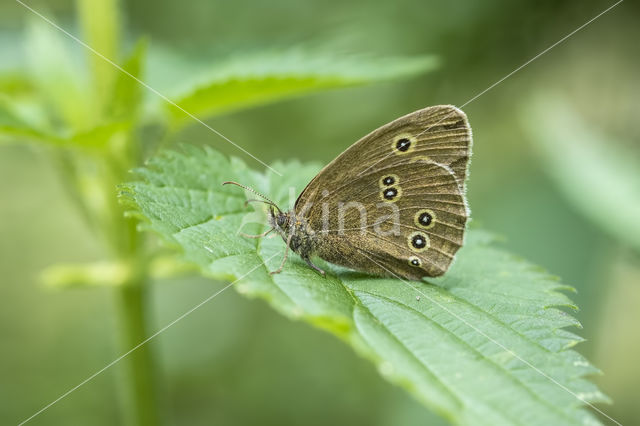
138, 381
100, 23
139, 393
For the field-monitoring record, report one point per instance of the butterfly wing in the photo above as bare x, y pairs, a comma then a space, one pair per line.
438, 133
407, 180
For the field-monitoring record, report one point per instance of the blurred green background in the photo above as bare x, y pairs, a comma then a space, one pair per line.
235, 361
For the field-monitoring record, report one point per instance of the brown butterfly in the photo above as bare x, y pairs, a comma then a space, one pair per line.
391, 204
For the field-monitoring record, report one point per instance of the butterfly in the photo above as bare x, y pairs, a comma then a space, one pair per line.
392, 204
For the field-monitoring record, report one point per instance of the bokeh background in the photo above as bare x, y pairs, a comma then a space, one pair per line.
235, 361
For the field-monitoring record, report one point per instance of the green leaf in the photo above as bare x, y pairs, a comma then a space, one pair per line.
593, 171
16, 124
248, 81
126, 96
108, 135
15, 83
55, 69
15, 128
483, 345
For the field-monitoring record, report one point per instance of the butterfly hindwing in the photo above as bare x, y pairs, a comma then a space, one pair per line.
413, 226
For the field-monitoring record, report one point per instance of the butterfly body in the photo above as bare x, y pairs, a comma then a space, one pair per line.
296, 233
392, 204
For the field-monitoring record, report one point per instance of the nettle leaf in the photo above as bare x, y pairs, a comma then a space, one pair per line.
56, 70
581, 160
246, 81
485, 344
126, 96
15, 83
25, 118
23, 122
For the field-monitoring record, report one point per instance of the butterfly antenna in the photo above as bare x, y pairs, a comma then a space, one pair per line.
268, 201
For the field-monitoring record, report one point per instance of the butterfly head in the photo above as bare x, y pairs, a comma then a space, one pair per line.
279, 220
290, 227
293, 229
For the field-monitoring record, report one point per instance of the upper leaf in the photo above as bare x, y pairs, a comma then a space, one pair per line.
248, 81
16, 126
482, 345
126, 97
61, 83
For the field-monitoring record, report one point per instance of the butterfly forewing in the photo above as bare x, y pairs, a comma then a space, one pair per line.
408, 177
439, 133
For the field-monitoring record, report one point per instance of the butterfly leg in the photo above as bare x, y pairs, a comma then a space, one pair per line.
284, 259
320, 271
256, 236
